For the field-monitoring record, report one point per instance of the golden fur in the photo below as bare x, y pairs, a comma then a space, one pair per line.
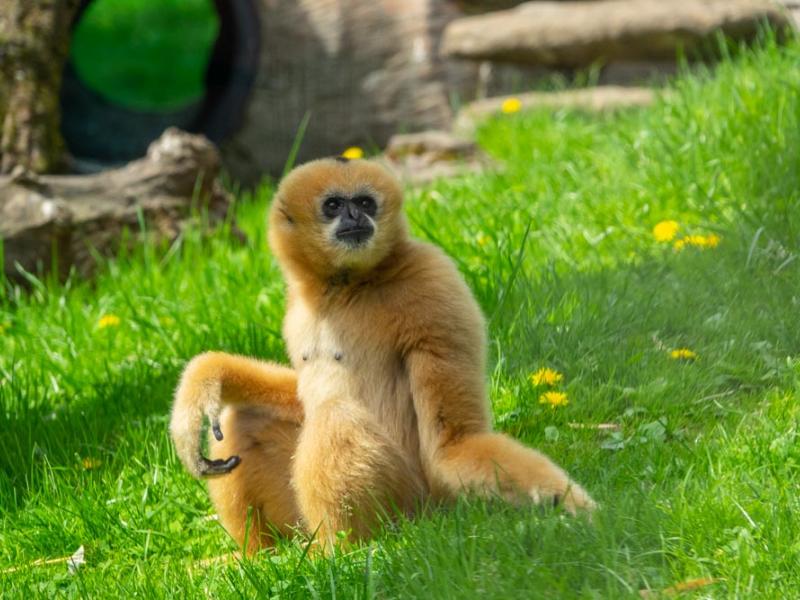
386, 403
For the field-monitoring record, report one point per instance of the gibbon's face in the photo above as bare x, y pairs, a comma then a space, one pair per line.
333, 215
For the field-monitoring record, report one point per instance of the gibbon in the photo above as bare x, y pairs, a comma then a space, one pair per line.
385, 405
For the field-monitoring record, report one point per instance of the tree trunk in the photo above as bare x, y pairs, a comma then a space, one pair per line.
34, 44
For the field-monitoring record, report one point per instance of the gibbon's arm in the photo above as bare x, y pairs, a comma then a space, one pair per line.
214, 379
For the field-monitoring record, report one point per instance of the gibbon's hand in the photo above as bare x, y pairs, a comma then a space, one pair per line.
212, 468
215, 379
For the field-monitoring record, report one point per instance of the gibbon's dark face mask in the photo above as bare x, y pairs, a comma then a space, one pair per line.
355, 216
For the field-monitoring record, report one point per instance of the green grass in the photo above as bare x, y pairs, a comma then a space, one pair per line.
701, 480
145, 54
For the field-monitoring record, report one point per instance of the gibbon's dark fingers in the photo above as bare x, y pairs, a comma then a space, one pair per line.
220, 466
215, 428
213, 468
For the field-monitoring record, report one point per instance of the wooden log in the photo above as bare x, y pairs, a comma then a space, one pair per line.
579, 33
59, 221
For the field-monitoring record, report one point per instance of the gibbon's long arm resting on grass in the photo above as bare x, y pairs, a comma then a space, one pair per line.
385, 404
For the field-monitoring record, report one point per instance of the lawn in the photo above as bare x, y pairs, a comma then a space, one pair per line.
698, 480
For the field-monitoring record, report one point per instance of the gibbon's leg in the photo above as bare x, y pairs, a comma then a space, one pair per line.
255, 501
461, 453
349, 475
493, 463
258, 428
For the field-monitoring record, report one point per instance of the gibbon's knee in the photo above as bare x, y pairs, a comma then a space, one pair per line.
349, 475
494, 463
255, 501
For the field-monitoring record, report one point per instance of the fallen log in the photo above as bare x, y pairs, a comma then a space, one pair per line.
61, 221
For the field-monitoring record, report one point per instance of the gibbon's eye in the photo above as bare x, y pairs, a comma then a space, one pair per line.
367, 204
332, 206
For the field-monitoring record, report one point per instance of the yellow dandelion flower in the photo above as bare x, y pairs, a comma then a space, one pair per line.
711, 240
546, 376
108, 321
511, 105
482, 239
91, 463
554, 399
665, 231
353, 153
682, 354
698, 241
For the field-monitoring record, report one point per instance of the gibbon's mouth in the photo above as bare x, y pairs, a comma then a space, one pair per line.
354, 236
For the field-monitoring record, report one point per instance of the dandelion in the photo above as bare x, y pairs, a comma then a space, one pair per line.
108, 321
482, 239
91, 463
353, 153
682, 354
711, 240
665, 231
511, 105
546, 376
554, 399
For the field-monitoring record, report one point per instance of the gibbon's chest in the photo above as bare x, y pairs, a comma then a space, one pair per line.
338, 347
340, 357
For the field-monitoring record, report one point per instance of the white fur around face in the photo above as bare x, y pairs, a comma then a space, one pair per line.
347, 256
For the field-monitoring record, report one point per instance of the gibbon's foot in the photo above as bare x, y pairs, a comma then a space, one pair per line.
573, 499
220, 466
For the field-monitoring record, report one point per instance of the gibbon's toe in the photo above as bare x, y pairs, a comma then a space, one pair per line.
576, 499
573, 498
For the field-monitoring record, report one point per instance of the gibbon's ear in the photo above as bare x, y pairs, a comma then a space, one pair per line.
283, 211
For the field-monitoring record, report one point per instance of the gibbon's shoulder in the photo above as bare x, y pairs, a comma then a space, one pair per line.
431, 293
428, 266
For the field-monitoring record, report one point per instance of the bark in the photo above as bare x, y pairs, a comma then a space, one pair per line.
34, 45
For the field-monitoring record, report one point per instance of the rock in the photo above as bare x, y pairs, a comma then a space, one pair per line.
577, 34
360, 71
422, 157
793, 9
76, 216
474, 7
595, 99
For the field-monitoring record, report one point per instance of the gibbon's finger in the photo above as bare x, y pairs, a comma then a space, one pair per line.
217, 430
220, 466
